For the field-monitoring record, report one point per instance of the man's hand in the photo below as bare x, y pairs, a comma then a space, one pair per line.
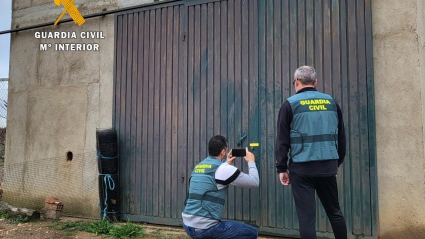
249, 156
230, 158
284, 178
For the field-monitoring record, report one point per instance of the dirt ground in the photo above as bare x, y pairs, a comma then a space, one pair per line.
45, 229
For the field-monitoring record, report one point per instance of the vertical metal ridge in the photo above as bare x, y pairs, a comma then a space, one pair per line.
183, 103
261, 92
123, 89
150, 138
133, 117
371, 119
139, 140
278, 100
190, 73
224, 110
162, 105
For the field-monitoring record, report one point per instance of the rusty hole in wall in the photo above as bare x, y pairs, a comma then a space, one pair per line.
69, 156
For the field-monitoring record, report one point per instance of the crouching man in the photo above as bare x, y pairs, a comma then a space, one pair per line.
209, 182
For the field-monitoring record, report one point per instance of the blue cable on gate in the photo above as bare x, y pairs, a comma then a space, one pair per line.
109, 184
99, 155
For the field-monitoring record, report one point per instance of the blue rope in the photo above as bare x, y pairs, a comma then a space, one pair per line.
109, 184
99, 155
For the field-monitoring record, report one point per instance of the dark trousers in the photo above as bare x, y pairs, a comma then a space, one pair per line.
303, 190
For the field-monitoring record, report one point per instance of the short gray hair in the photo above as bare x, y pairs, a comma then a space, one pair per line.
306, 74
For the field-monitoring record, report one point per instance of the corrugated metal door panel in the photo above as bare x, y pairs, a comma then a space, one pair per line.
146, 111
166, 90
218, 36
333, 36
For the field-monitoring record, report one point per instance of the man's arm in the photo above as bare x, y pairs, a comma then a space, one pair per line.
228, 174
342, 143
283, 144
250, 180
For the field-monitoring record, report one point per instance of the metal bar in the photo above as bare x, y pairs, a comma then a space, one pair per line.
4, 79
99, 14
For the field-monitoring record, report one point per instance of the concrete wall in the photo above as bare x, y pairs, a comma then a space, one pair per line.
57, 99
398, 31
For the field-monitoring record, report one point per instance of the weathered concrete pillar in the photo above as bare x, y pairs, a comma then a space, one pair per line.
399, 75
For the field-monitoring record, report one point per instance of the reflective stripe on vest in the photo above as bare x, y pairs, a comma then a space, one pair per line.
204, 199
314, 128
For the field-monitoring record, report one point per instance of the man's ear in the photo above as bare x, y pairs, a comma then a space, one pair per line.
315, 83
223, 151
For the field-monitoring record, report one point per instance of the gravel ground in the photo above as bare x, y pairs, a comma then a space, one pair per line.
45, 230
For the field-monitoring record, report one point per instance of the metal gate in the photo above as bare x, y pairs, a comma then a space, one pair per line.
188, 70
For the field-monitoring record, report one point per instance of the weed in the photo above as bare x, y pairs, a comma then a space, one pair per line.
5, 215
100, 227
74, 226
20, 219
127, 230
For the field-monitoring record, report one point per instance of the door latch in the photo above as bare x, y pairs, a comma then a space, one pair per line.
241, 140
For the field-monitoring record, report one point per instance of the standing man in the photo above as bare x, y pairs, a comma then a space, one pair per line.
310, 129
208, 191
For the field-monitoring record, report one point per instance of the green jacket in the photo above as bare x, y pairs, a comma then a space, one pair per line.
204, 198
311, 140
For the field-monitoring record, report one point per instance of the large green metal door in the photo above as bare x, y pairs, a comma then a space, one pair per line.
335, 37
222, 87
185, 71
188, 70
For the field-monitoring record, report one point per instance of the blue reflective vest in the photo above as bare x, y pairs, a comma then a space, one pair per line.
204, 199
314, 128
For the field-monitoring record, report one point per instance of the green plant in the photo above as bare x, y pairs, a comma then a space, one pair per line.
127, 230
5, 215
99, 227
20, 219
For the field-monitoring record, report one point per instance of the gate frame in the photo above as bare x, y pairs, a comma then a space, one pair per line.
373, 186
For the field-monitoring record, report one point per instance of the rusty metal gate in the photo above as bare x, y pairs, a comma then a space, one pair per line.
188, 70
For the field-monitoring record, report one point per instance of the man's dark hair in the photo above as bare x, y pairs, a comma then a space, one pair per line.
216, 145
